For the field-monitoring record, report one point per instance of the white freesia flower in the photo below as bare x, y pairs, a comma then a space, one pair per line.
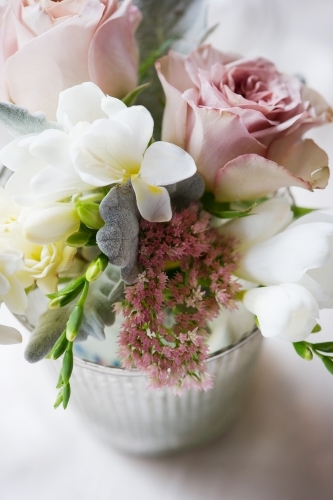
11, 290
102, 142
288, 311
50, 223
285, 255
9, 335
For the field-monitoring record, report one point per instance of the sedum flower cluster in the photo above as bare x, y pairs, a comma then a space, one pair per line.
167, 310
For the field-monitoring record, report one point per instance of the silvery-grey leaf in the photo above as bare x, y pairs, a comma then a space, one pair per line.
187, 191
97, 314
118, 238
18, 121
163, 20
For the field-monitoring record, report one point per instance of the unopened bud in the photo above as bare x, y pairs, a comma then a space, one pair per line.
96, 268
89, 214
74, 323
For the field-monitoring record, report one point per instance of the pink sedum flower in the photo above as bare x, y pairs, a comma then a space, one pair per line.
164, 332
48, 46
242, 121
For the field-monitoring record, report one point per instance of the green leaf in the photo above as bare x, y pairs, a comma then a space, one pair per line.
324, 347
67, 364
66, 394
130, 98
59, 400
78, 283
60, 382
89, 214
145, 65
78, 239
328, 362
63, 300
316, 328
303, 350
300, 211
222, 210
59, 347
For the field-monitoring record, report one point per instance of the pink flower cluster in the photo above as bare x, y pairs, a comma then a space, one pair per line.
186, 278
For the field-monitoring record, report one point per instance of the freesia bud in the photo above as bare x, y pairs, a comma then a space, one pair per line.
89, 214
51, 223
74, 323
96, 268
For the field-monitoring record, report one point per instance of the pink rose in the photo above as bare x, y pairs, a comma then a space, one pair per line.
242, 121
48, 46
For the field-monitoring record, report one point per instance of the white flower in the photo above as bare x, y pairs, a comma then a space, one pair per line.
288, 311
50, 223
115, 149
102, 142
285, 255
9, 335
11, 290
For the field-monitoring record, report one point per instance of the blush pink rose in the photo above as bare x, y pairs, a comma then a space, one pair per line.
48, 46
243, 122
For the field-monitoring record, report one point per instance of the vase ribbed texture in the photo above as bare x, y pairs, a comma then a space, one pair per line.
119, 408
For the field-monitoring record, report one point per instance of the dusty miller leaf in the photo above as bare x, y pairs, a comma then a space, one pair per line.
19, 121
97, 313
118, 238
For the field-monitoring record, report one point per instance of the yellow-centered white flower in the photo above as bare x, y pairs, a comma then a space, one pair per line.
102, 142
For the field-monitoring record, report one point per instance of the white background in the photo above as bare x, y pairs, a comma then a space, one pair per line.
282, 447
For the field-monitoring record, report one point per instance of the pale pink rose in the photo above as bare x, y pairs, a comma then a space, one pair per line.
48, 46
242, 121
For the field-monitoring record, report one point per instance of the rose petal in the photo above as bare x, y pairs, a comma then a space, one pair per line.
164, 163
57, 60
153, 202
169, 68
218, 137
251, 176
113, 53
305, 160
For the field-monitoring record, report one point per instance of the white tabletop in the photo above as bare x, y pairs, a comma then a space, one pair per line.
282, 446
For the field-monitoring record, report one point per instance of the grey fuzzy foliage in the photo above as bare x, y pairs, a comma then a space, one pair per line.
163, 20
187, 191
118, 239
97, 314
50, 326
18, 121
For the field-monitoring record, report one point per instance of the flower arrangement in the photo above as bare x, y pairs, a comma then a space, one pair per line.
168, 224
